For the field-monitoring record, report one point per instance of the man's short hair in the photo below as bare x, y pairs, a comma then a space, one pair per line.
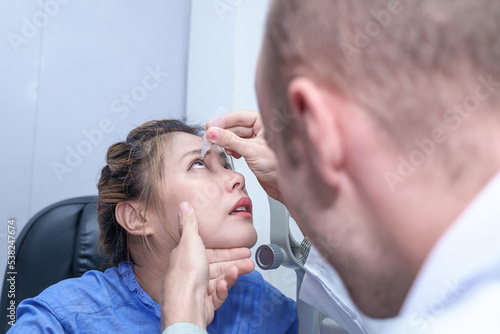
407, 62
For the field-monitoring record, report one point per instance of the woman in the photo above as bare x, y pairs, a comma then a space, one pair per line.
140, 189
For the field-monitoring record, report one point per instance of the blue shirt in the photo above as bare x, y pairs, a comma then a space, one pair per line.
114, 302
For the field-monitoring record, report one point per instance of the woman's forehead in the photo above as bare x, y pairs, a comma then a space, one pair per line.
182, 146
181, 143
177, 144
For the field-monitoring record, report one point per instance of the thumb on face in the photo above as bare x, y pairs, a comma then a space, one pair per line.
188, 225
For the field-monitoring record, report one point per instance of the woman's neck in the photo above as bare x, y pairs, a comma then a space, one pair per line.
150, 278
150, 267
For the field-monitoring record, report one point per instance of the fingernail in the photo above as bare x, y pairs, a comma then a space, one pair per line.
184, 207
213, 134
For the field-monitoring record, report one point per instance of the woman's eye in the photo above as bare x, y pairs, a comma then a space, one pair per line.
228, 166
197, 164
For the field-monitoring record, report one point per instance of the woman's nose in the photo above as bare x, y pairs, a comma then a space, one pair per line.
234, 181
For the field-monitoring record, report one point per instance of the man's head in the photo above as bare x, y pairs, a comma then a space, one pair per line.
375, 110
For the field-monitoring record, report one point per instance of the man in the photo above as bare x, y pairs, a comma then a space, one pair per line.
382, 118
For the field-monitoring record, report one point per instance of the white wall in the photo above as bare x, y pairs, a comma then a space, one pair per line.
224, 46
64, 82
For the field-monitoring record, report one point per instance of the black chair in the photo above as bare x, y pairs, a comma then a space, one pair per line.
59, 242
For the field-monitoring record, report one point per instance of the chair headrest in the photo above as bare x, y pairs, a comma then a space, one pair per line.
86, 256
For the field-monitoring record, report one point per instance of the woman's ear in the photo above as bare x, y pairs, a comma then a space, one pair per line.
131, 216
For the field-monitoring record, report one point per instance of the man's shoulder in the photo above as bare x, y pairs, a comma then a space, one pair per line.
476, 311
469, 306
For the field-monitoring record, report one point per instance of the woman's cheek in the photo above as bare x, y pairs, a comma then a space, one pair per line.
208, 192
201, 203
209, 237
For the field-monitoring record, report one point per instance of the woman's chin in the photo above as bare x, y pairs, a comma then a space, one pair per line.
252, 241
248, 240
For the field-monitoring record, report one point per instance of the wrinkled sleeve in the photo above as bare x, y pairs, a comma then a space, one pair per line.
277, 313
35, 316
183, 328
290, 320
255, 306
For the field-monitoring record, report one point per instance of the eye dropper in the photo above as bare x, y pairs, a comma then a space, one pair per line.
206, 144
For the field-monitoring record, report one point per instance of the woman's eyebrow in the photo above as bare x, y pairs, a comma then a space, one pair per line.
197, 151
222, 155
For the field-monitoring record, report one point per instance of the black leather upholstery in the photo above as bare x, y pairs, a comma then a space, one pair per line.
59, 242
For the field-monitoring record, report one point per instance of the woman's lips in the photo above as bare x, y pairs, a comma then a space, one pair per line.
242, 208
242, 214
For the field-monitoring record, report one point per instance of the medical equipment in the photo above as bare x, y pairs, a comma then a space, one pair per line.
206, 144
285, 250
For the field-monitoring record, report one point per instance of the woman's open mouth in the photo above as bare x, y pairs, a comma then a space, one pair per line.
242, 208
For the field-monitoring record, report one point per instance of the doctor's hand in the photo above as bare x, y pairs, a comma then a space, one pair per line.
242, 134
197, 280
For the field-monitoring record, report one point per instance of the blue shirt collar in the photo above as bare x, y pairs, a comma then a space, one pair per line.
126, 270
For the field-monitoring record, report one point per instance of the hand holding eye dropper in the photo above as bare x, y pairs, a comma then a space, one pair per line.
242, 135
206, 144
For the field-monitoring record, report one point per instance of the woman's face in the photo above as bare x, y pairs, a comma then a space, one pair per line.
216, 192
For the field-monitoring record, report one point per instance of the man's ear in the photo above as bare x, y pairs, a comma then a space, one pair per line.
317, 111
131, 216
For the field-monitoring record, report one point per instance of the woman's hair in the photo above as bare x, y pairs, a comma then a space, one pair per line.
132, 172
